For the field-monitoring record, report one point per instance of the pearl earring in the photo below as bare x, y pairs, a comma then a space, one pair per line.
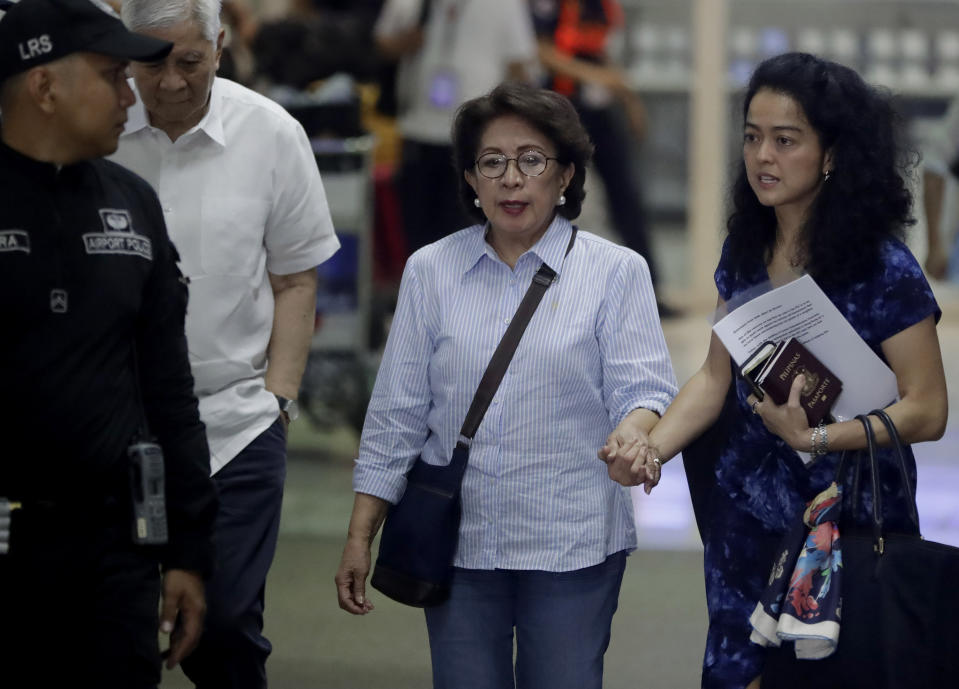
476, 202
562, 200
826, 178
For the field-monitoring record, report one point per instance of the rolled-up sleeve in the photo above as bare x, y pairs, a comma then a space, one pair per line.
396, 426
637, 371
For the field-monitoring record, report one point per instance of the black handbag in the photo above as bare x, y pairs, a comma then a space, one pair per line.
900, 604
421, 531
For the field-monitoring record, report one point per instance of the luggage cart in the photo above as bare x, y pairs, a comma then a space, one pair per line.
337, 382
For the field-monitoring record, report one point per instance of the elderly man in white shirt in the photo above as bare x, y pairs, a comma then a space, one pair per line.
245, 207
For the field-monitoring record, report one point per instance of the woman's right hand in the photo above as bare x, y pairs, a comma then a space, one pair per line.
351, 577
369, 512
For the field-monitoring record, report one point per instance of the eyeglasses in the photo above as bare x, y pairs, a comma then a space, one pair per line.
530, 163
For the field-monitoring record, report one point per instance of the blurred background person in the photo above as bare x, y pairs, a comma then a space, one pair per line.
940, 170
573, 38
448, 52
545, 532
245, 205
311, 41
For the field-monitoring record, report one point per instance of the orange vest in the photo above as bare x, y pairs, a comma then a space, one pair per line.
583, 37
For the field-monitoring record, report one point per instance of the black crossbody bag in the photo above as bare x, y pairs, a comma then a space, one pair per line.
421, 531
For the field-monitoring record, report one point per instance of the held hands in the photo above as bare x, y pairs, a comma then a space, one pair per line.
631, 460
351, 577
788, 421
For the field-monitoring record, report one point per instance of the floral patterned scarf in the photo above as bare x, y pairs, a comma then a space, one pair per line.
802, 603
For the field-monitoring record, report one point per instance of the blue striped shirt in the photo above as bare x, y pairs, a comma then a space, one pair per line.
534, 495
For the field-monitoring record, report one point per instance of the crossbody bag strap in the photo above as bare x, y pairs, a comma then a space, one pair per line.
501, 358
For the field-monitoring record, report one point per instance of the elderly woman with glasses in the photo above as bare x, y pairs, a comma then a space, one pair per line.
544, 532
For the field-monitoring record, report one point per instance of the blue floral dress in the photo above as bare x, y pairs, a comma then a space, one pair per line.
762, 485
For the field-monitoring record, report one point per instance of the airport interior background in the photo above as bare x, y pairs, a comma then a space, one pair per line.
688, 60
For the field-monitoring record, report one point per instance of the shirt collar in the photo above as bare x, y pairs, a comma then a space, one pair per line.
211, 124
550, 249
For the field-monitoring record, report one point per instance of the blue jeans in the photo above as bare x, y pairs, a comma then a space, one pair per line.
561, 620
233, 651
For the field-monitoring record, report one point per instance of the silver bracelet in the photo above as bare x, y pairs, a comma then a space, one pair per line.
823, 440
818, 441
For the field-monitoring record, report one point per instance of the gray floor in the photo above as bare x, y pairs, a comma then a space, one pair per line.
657, 632
657, 636
659, 629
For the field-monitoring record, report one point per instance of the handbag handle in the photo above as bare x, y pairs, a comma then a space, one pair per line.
501, 358
841, 468
896, 442
874, 478
871, 444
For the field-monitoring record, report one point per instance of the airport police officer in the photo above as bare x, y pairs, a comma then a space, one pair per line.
97, 391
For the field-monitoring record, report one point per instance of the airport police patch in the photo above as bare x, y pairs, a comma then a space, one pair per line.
118, 236
14, 240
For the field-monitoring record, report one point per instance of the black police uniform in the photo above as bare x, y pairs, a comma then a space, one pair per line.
92, 337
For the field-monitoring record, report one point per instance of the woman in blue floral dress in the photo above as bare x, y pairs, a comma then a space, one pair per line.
821, 191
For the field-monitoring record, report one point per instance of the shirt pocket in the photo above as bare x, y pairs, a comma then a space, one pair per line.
232, 232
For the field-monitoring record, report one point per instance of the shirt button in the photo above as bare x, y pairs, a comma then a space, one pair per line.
506, 321
167, 209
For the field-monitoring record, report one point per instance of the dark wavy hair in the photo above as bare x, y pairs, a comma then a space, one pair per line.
864, 201
546, 111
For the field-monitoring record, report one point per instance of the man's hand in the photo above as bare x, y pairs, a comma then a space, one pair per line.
184, 607
351, 577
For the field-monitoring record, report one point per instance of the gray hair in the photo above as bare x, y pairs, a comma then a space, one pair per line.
144, 15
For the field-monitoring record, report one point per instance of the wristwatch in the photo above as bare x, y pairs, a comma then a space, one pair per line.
288, 407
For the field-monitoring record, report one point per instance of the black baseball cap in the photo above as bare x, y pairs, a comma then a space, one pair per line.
33, 32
